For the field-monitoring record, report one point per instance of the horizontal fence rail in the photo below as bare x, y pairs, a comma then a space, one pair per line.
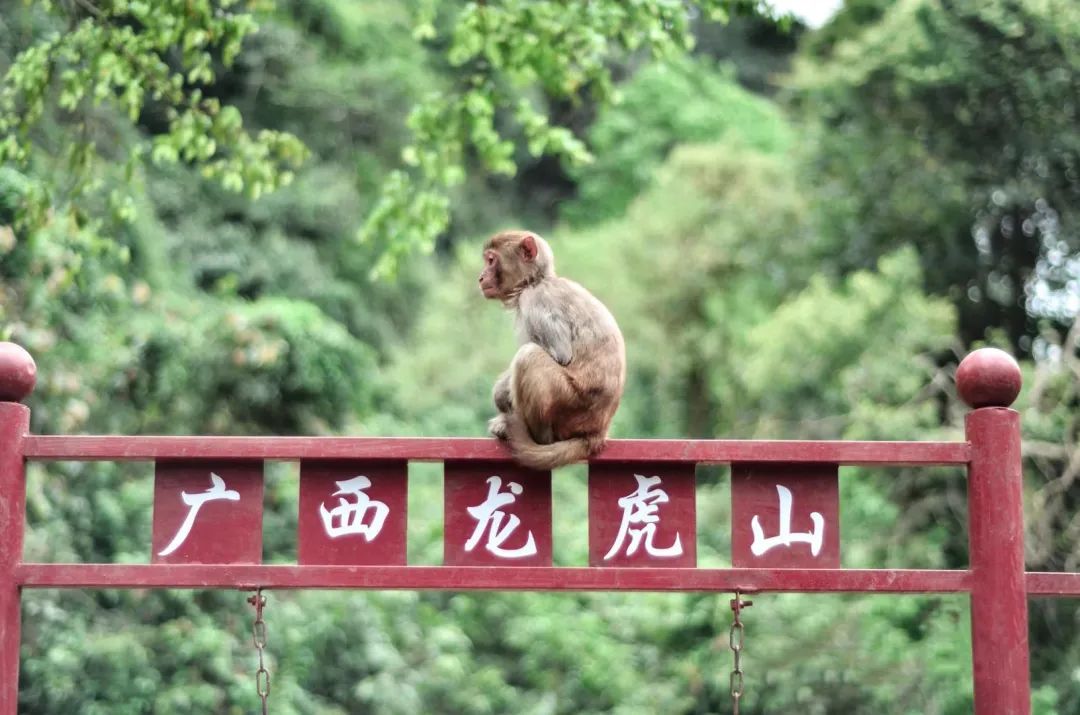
1049, 583
480, 578
545, 578
122, 448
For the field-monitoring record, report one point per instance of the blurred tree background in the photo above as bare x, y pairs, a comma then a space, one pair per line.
264, 218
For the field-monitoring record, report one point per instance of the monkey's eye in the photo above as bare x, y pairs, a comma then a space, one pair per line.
490, 260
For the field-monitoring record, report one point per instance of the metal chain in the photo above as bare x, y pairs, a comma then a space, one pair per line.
735, 640
258, 637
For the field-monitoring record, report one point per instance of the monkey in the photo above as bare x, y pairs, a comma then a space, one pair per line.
556, 400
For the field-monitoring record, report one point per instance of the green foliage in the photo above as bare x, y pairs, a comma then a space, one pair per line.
845, 344
680, 101
231, 370
160, 65
135, 56
942, 126
702, 256
503, 50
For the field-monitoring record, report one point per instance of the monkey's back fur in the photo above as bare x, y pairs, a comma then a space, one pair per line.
581, 397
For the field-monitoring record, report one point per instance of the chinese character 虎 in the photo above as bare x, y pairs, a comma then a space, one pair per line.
639, 520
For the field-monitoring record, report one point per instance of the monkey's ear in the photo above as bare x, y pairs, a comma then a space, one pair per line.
528, 247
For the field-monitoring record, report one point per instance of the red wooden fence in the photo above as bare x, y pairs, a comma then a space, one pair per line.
208, 512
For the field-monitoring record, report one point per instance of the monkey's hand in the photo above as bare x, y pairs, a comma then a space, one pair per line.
497, 427
552, 332
500, 394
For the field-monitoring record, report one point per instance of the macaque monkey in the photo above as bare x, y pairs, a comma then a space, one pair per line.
561, 390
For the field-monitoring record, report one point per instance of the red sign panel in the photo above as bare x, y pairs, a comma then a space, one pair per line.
352, 512
785, 516
642, 515
496, 514
207, 512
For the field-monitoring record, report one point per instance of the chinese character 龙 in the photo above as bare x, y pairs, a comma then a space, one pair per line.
489, 517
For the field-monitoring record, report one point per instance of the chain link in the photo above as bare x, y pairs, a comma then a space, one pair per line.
258, 637
735, 641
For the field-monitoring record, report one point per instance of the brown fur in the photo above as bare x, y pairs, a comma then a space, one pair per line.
563, 386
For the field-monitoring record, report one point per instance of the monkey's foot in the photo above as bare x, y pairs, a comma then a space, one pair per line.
497, 427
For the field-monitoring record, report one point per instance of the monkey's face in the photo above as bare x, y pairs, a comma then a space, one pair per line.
513, 260
491, 276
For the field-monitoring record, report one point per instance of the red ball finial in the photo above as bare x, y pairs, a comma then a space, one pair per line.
988, 377
18, 373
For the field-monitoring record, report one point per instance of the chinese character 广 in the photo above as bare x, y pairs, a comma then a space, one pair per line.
195, 502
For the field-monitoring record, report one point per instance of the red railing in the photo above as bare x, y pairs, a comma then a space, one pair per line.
987, 380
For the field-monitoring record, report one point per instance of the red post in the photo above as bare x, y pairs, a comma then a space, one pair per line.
988, 380
17, 376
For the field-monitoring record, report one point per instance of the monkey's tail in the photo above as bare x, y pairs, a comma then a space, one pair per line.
548, 456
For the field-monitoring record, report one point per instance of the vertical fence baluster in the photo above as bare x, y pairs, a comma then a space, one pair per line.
17, 377
988, 380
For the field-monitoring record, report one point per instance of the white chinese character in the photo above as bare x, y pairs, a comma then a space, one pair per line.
639, 520
489, 513
786, 537
348, 516
195, 502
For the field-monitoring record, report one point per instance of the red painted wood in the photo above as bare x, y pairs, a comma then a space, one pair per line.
988, 377
18, 373
655, 525
14, 424
88, 447
496, 514
1043, 583
757, 492
226, 528
999, 626
345, 521
498, 578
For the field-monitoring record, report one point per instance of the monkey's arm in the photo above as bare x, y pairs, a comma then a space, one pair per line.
550, 329
501, 395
